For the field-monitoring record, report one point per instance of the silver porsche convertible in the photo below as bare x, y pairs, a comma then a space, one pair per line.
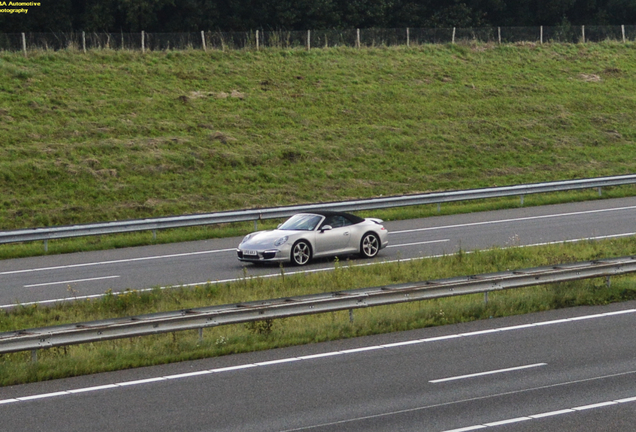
311, 235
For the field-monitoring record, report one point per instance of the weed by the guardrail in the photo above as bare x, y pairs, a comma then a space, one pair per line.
263, 327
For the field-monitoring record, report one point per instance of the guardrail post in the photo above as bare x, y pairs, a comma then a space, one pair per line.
486, 297
34, 356
607, 281
351, 316
200, 334
46, 245
600, 191
154, 234
439, 207
521, 199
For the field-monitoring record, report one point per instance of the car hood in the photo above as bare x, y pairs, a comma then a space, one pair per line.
266, 239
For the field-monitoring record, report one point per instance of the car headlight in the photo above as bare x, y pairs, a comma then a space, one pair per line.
281, 241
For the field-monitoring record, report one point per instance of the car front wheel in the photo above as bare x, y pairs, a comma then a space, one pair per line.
369, 245
301, 253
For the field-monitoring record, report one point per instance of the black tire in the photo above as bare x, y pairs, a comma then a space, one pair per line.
300, 253
369, 245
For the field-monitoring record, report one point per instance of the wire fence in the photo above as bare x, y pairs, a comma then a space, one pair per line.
257, 39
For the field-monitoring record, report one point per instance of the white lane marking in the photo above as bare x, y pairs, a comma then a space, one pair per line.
546, 414
551, 413
97, 263
527, 218
273, 362
42, 396
274, 275
70, 281
503, 422
488, 372
418, 243
318, 356
470, 428
630, 399
596, 405
90, 389
143, 381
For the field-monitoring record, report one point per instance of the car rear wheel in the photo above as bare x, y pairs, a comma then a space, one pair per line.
301, 253
369, 245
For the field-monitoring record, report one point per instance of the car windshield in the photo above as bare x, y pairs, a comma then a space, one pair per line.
302, 222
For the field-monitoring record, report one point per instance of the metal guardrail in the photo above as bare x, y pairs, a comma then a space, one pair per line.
48, 233
190, 319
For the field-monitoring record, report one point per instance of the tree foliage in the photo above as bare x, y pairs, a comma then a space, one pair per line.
242, 15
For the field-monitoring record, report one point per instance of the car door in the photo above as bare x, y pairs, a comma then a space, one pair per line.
334, 240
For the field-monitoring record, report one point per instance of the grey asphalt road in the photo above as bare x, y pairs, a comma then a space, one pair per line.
51, 278
565, 370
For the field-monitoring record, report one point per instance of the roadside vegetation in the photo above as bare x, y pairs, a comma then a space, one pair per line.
152, 350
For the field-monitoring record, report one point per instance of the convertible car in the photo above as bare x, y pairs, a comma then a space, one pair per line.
317, 234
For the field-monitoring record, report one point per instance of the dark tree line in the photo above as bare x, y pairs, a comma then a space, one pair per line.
241, 15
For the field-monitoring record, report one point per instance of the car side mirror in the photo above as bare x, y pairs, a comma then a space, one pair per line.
326, 228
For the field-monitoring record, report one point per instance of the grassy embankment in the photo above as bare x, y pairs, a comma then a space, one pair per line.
117, 135
152, 350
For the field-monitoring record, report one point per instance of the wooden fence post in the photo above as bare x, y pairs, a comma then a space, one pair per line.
623, 31
541, 35
203, 40
24, 44
84, 41
357, 38
408, 39
583, 33
143, 42
308, 40
257, 42
499, 34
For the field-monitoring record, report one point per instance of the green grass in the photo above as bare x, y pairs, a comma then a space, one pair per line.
152, 350
113, 135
